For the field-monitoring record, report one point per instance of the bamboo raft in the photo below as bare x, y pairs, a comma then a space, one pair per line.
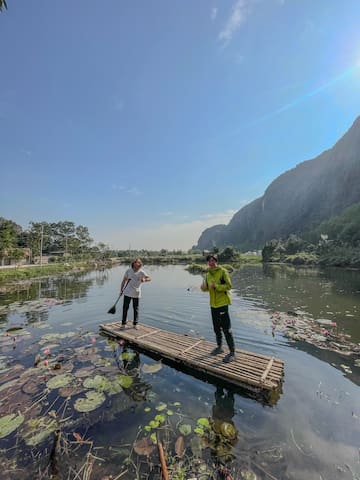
257, 373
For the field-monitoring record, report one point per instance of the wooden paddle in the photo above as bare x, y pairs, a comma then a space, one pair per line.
113, 308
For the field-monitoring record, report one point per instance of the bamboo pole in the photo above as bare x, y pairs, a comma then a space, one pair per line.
164, 469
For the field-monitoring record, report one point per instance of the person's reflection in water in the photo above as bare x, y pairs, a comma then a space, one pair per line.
223, 431
131, 361
137, 391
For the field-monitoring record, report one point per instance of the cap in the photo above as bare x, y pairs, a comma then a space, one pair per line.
210, 256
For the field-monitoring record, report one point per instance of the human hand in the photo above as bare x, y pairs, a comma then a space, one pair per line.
212, 285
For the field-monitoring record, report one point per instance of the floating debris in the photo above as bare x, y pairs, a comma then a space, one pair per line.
298, 326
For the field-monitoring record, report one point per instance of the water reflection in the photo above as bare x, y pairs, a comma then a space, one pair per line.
312, 432
33, 298
223, 431
139, 389
322, 293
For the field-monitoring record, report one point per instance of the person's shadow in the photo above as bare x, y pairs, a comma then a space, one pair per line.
224, 434
138, 390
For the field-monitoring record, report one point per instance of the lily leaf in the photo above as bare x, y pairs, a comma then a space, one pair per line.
10, 423
185, 429
92, 401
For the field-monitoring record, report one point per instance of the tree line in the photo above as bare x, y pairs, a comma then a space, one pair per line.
43, 238
334, 242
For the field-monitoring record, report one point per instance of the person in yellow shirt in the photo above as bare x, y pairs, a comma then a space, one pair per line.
217, 282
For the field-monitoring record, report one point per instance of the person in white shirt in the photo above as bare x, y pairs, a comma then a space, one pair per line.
131, 288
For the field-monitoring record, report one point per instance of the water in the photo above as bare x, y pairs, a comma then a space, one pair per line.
312, 432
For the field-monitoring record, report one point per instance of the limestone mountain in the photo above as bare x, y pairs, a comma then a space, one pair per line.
297, 200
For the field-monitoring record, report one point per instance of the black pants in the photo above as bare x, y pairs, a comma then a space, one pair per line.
135, 302
221, 322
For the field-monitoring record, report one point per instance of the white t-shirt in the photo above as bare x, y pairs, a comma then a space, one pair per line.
133, 288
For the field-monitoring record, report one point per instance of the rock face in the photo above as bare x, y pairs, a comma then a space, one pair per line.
302, 197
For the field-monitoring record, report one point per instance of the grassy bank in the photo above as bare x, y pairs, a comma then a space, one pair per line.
196, 264
36, 271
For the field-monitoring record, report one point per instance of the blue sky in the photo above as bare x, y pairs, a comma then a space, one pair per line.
151, 121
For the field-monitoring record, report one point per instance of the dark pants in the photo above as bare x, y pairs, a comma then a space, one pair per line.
221, 322
135, 302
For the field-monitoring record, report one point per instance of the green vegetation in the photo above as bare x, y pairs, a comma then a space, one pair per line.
334, 242
229, 258
23, 273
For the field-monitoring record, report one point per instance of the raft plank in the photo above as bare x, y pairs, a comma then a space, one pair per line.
249, 370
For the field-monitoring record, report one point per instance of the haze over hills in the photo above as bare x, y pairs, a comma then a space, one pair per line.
299, 199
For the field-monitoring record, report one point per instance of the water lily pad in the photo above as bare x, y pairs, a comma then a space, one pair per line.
200, 431
144, 446
204, 422
59, 381
92, 401
160, 418
32, 386
324, 321
154, 424
10, 423
37, 430
52, 337
10, 384
161, 407
129, 356
185, 429
125, 380
228, 430
152, 368
84, 372
14, 330
99, 383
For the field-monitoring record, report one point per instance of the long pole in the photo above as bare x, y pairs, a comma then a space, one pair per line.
41, 243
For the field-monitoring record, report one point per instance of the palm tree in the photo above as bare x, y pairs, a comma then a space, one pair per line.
2, 4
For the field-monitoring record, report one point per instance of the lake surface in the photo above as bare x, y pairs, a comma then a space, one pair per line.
312, 432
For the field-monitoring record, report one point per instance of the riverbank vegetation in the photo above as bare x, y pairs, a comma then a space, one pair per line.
229, 258
335, 242
46, 249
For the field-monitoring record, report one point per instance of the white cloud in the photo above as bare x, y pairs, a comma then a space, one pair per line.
134, 191
214, 12
238, 16
171, 236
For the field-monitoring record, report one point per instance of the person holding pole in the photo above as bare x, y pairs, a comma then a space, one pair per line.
131, 287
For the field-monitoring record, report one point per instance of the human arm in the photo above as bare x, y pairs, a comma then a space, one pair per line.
204, 286
124, 282
144, 277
